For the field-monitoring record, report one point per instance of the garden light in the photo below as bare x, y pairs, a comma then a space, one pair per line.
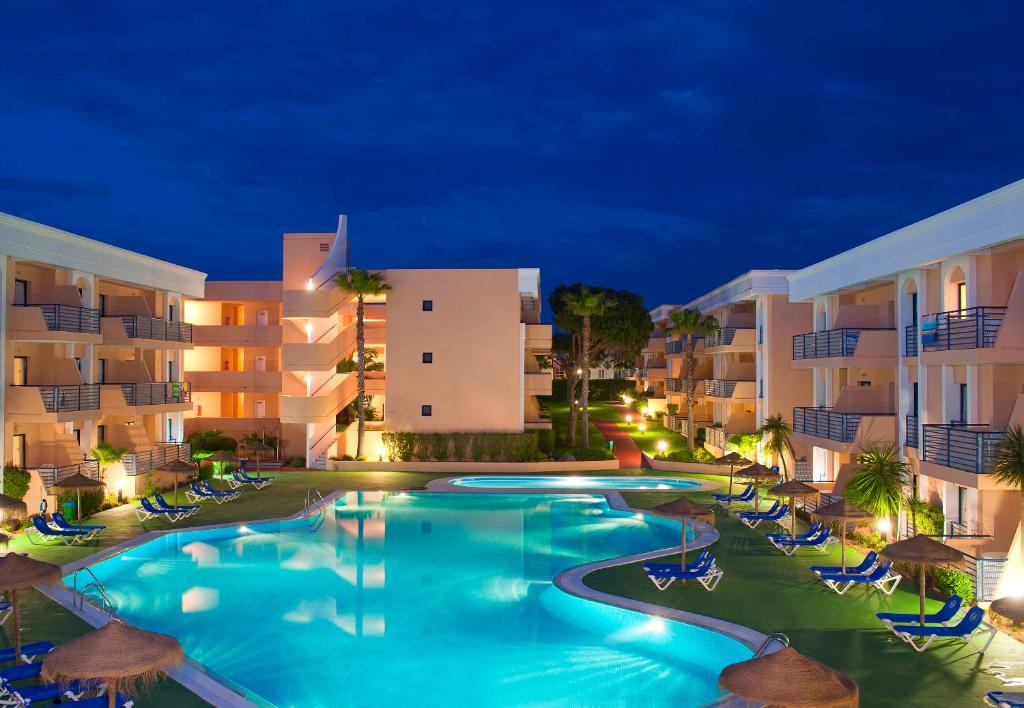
380, 453
662, 446
579, 372
628, 400
643, 427
649, 411
884, 525
629, 419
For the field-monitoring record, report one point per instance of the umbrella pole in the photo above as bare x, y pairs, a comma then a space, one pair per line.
730, 478
79, 507
792, 515
921, 575
842, 551
682, 560
17, 627
112, 694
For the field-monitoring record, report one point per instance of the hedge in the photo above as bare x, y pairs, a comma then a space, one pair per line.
15, 481
460, 447
600, 389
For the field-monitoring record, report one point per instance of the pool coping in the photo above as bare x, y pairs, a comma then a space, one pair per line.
446, 485
220, 691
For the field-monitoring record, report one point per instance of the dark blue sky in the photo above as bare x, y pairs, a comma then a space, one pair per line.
660, 147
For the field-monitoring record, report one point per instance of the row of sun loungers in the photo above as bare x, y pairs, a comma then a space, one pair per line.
58, 528
13, 692
704, 570
753, 519
940, 625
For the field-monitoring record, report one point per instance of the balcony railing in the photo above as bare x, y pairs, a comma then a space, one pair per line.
971, 328
155, 394
963, 447
139, 327
136, 463
52, 475
910, 340
911, 439
828, 343
716, 437
69, 318
675, 385
723, 337
70, 398
826, 423
720, 388
673, 346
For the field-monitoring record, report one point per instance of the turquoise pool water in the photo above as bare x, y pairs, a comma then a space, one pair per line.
573, 482
420, 599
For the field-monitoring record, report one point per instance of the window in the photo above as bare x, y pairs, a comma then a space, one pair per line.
961, 296
426, 410
325, 246
103, 305
101, 433
913, 308
170, 370
963, 403
77, 432
19, 375
20, 292
428, 357
101, 371
428, 305
170, 313
913, 400
170, 430
78, 363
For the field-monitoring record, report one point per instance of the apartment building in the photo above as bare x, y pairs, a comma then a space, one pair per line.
743, 370
652, 366
93, 343
459, 349
918, 342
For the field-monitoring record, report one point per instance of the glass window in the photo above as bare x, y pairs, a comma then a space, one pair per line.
428, 357
426, 410
961, 296
20, 292
428, 305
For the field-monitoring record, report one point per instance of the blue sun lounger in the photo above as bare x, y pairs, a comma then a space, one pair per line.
186, 509
41, 531
752, 519
823, 541
707, 573
103, 702
727, 499
198, 493
865, 566
813, 529
944, 616
676, 566
20, 672
28, 652
1005, 699
969, 627
5, 610
42, 693
58, 520
882, 578
147, 511
240, 478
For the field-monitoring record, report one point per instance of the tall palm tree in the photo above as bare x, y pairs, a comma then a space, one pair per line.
690, 325
1008, 466
775, 433
565, 351
877, 482
586, 304
361, 283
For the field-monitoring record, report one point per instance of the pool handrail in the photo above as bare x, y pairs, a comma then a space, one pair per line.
79, 595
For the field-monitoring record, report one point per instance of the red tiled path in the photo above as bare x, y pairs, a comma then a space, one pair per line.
626, 451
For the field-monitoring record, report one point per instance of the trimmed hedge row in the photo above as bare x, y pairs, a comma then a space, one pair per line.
600, 389
464, 447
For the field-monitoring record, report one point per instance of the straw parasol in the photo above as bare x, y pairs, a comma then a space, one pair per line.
257, 449
222, 457
843, 512
18, 572
1012, 608
177, 467
921, 551
788, 678
78, 482
793, 489
758, 474
684, 509
732, 459
120, 655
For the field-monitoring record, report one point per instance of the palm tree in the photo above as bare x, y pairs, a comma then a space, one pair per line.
775, 432
564, 351
107, 454
361, 283
690, 325
1008, 465
877, 482
586, 304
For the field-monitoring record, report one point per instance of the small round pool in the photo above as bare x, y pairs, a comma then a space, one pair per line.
575, 483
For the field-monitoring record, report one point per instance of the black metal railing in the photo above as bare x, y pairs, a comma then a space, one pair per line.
136, 463
716, 437
826, 423
829, 343
911, 439
723, 337
812, 503
963, 447
760, 334
673, 346
70, 398
910, 340
155, 394
719, 388
141, 327
675, 385
69, 318
970, 328
52, 475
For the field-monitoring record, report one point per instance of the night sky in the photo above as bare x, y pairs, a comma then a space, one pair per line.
659, 147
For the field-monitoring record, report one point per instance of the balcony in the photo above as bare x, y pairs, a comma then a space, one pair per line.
537, 383
52, 475
53, 322
56, 403
972, 328
826, 423
136, 463
241, 381
715, 437
237, 335
864, 346
155, 394
735, 338
912, 438
843, 431
653, 373
968, 448
910, 340
136, 327
729, 389
675, 385
673, 347
538, 337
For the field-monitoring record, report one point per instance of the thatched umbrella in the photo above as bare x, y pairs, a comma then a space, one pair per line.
257, 449
921, 551
788, 678
118, 654
732, 459
12, 505
684, 509
793, 489
758, 474
843, 512
222, 457
78, 482
18, 572
1012, 608
176, 468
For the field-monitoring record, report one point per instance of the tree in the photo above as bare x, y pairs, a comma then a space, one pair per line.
618, 334
361, 283
775, 433
689, 326
586, 305
877, 482
107, 454
565, 353
1008, 467
347, 366
208, 441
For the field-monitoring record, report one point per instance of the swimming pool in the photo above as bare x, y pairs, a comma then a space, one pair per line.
575, 482
429, 599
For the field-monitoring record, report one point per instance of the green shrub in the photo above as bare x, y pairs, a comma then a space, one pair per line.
546, 441
672, 409
954, 582
476, 448
439, 445
15, 481
460, 444
929, 517
744, 443
296, 462
600, 389
92, 500
698, 454
151, 484
400, 446
566, 457
206, 442
593, 454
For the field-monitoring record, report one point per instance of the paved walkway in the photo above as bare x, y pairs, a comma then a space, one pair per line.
626, 451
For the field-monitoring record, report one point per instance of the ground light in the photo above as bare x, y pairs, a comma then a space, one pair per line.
662, 446
628, 400
381, 452
643, 427
629, 420
884, 525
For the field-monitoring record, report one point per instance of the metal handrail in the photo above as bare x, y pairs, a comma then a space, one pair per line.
79, 595
969, 328
773, 637
310, 500
325, 333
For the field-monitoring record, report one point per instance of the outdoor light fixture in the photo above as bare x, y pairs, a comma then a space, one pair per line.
649, 410
629, 419
884, 525
119, 485
579, 372
628, 400
643, 427
380, 453
662, 446
309, 283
